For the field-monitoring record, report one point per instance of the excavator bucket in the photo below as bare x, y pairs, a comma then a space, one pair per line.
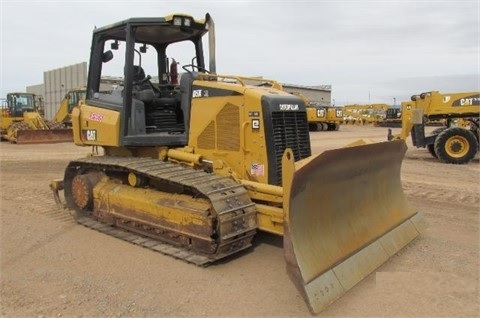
346, 214
40, 136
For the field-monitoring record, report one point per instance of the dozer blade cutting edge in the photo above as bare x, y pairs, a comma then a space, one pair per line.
345, 215
38, 136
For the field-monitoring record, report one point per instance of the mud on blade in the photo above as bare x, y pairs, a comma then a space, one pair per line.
346, 214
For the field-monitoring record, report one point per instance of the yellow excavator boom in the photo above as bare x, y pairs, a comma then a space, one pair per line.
71, 99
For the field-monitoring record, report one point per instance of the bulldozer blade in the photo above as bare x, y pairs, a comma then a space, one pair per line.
41, 136
346, 214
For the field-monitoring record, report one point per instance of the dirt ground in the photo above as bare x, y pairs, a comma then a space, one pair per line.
53, 267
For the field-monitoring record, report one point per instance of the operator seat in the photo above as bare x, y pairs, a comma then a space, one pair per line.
143, 91
138, 73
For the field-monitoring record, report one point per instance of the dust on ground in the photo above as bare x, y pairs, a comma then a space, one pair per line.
53, 267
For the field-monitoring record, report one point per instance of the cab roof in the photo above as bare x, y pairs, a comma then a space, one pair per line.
157, 30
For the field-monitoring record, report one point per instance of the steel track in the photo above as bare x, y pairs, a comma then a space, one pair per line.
230, 203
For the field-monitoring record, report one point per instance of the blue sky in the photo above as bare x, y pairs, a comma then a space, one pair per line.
369, 51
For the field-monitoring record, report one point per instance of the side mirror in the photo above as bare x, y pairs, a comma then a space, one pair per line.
114, 45
107, 56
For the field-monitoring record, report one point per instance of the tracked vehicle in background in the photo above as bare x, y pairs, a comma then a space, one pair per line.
22, 122
72, 98
195, 170
321, 118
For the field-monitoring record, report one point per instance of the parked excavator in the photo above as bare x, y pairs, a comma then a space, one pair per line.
71, 99
453, 143
195, 169
21, 122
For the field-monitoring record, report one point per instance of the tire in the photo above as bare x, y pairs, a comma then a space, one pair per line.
333, 126
431, 150
475, 128
437, 131
431, 147
456, 145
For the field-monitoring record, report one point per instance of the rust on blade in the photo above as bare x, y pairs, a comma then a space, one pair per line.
347, 214
38, 136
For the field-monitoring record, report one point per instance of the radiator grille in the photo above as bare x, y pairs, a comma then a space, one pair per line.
206, 140
290, 130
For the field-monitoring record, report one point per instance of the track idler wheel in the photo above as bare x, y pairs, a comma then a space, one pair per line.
82, 190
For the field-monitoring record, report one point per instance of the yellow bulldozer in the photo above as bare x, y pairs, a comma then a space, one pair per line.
21, 122
458, 141
195, 169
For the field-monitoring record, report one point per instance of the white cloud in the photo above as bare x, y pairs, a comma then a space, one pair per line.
360, 47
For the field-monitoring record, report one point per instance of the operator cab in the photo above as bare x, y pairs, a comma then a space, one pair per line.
18, 103
74, 97
133, 55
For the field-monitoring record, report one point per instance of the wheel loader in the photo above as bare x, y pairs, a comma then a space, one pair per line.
22, 123
195, 169
452, 143
13, 107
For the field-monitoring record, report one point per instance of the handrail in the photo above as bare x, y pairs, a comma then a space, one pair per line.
240, 79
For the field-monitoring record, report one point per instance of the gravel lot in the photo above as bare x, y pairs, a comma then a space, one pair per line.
53, 267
